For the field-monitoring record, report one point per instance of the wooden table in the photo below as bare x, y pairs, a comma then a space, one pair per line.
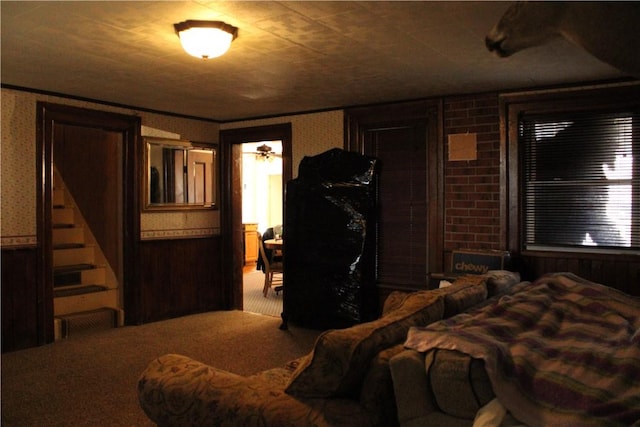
274, 244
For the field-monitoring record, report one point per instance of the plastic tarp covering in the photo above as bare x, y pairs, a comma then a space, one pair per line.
329, 241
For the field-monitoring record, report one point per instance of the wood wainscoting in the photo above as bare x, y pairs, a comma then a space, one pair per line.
22, 305
620, 271
177, 277
180, 277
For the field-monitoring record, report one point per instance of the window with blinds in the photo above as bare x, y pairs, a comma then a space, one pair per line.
581, 180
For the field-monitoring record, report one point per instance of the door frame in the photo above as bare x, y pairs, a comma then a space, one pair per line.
231, 195
47, 115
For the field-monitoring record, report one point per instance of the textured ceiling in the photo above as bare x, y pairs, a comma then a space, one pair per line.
289, 57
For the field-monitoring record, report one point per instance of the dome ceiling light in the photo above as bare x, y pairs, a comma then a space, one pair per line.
205, 39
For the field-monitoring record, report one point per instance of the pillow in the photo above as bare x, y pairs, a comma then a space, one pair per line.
465, 292
498, 281
340, 359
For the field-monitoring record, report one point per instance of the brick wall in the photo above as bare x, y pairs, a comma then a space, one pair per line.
472, 188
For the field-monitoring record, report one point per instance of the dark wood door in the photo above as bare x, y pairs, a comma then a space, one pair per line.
403, 203
406, 139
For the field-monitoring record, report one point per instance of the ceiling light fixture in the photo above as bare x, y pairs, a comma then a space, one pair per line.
205, 39
264, 151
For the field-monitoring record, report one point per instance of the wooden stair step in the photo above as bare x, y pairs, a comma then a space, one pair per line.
73, 256
68, 246
66, 279
78, 290
64, 269
94, 275
68, 235
87, 321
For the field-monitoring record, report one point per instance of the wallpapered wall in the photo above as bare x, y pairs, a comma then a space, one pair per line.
18, 169
312, 134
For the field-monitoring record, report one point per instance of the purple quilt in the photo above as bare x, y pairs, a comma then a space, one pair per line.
561, 351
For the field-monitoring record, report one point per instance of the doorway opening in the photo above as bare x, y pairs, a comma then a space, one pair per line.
262, 212
231, 146
86, 173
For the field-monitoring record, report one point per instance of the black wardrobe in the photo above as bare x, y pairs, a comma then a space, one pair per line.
329, 242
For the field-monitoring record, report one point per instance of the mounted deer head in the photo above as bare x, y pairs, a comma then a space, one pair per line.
607, 30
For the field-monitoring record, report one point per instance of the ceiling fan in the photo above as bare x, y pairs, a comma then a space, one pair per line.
266, 151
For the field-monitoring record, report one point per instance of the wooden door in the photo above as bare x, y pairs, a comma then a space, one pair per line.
406, 139
403, 203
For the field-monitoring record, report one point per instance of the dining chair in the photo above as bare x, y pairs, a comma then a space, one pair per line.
273, 270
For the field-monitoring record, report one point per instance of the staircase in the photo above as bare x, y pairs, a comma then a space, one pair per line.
85, 289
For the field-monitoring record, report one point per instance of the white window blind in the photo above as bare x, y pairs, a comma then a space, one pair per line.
581, 180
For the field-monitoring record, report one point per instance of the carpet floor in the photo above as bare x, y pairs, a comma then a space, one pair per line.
253, 299
91, 380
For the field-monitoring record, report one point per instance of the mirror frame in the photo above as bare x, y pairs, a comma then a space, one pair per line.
145, 192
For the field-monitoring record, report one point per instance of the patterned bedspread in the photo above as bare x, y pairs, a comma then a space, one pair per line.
561, 351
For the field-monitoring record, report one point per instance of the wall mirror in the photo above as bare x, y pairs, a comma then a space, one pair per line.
179, 175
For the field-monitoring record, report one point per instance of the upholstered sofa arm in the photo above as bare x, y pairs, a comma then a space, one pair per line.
413, 374
414, 399
176, 390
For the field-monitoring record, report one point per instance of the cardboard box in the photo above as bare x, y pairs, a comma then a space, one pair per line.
478, 262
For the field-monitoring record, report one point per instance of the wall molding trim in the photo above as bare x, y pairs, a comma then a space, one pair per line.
28, 241
182, 233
